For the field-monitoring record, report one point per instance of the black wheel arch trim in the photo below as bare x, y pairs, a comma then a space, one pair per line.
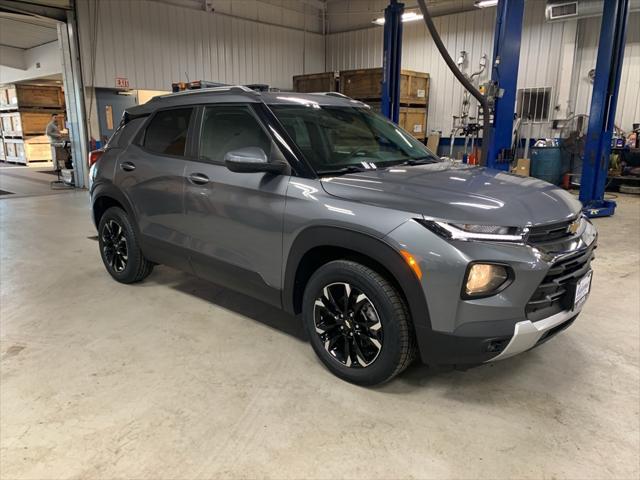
377, 250
109, 190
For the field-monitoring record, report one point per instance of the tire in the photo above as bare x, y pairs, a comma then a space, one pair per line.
120, 249
374, 314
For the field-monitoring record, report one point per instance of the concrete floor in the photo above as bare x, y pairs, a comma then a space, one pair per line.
22, 181
177, 378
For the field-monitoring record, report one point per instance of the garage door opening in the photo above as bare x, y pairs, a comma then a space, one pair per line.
42, 114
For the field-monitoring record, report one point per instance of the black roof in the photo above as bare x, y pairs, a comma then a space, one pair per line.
239, 94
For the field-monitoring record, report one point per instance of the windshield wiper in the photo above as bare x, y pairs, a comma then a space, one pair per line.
343, 170
420, 160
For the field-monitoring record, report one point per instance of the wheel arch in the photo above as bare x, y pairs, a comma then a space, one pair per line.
317, 245
106, 196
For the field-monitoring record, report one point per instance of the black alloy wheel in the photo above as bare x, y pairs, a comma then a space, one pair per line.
348, 325
114, 245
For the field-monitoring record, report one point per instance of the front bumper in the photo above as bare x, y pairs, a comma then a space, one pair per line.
457, 331
528, 334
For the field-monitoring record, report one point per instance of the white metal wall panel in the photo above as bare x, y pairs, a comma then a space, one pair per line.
540, 61
154, 44
470, 31
628, 108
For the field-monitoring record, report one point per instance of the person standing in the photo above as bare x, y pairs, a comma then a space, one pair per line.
53, 131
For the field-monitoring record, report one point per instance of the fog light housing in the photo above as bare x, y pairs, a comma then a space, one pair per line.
486, 279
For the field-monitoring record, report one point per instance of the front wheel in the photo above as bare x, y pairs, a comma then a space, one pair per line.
119, 248
358, 323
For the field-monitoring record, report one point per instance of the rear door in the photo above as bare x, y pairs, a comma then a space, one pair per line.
235, 220
151, 175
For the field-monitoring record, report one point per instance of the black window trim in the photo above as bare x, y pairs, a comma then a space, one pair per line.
188, 153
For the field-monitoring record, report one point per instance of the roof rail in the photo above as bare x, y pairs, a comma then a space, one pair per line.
229, 88
333, 94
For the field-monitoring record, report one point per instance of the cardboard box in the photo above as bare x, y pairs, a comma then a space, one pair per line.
522, 167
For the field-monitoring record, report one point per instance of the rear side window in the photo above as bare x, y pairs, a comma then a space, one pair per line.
167, 132
125, 132
228, 127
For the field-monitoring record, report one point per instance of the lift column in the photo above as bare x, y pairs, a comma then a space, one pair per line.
504, 74
604, 98
391, 60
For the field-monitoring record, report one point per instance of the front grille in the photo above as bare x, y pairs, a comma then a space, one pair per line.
549, 233
557, 290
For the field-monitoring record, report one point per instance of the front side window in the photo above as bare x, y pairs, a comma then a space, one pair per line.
167, 132
334, 138
230, 127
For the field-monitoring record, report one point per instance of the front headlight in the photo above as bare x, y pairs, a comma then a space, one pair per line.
484, 279
457, 231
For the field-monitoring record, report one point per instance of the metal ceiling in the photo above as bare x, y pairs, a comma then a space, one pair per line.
22, 31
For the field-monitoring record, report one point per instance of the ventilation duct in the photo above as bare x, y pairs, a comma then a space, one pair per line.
560, 10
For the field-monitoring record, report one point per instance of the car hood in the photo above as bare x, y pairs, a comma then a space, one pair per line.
458, 193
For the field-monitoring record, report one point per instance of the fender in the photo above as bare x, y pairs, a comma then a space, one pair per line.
363, 244
108, 189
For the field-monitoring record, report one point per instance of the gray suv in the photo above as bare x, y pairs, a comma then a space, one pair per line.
315, 204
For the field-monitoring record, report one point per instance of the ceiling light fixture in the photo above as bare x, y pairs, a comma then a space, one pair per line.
406, 17
486, 3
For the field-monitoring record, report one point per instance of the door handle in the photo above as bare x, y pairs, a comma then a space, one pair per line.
127, 166
198, 178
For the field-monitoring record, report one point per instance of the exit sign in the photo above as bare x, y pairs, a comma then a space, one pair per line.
122, 82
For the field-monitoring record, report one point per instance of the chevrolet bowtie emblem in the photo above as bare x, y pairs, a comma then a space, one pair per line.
573, 227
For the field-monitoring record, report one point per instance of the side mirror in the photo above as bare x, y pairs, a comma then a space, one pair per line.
252, 160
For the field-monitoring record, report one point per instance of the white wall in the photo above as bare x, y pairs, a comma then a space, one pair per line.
47, 55
546, 56
154, 44
628, 108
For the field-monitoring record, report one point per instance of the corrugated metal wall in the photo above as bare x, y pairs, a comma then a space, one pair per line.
628, 108
540, 62
153, 44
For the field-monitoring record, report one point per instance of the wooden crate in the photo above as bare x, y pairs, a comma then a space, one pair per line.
31, 96
315, 82
366, 84
25, 151
3, 154
414, 121
411, 119
27, 122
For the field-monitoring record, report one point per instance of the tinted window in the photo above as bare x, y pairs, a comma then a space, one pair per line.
227, 128
125, 132
336, 137
167, 132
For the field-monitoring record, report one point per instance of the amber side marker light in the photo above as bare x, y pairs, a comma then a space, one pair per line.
412, 262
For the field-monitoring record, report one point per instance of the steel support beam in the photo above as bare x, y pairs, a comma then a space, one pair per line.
391, 60
504, 74
603, 109
74, 96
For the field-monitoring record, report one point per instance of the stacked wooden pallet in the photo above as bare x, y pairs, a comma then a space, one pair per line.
25, 111
366, 85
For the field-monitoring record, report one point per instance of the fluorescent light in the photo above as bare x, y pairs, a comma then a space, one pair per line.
406, 17
486, 3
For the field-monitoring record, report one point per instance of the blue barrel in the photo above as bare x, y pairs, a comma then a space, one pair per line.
546, 164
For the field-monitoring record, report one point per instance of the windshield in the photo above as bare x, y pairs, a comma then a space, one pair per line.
341, 139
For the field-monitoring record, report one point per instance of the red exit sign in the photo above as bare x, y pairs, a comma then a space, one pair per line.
122, 82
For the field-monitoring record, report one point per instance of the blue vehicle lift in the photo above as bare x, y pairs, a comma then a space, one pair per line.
391, 60
503, 89
504, 75
603, 110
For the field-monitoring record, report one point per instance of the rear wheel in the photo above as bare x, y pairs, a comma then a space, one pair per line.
358, 323
120, 249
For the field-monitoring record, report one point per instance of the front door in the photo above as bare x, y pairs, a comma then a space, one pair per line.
235, 219
151, 175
